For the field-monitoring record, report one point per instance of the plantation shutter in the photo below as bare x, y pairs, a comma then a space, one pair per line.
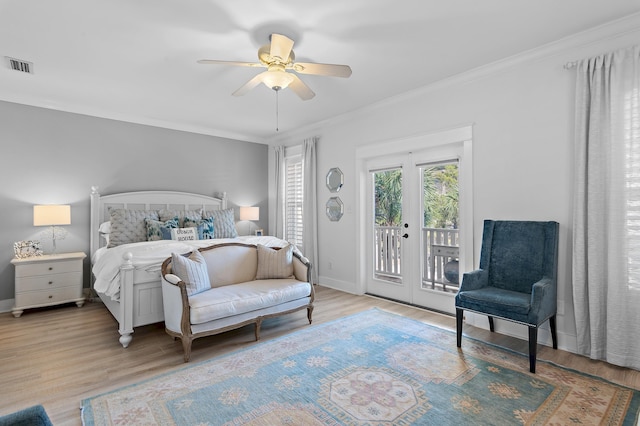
293, 201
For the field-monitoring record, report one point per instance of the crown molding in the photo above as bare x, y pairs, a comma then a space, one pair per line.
128, 118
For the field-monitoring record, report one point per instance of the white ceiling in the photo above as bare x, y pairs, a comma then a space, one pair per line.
135, 60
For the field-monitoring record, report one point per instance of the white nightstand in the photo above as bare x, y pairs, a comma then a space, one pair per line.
48, 280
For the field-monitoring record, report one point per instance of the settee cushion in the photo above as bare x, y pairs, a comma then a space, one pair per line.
192, 270
226, 301
274, 263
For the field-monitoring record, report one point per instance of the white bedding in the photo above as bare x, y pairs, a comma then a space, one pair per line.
149, 256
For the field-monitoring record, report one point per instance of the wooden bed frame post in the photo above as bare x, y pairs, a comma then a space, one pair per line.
126, 300
94, 222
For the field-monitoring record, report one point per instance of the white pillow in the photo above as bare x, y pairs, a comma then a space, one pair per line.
104, 230
105, 227
192, 270
273, 264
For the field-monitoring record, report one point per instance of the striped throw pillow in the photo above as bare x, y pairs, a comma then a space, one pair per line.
273, 263
192, 270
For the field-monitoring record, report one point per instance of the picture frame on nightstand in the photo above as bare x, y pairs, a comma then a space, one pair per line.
29, 248
259, 232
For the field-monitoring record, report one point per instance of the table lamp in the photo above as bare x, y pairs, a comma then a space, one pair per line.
52, 215
250, 214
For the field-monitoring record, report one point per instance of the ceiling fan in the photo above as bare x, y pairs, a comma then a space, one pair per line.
278, 57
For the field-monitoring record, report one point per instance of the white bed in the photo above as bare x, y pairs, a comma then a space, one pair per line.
127, 277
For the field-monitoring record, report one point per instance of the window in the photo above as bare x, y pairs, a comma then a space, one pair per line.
293, 200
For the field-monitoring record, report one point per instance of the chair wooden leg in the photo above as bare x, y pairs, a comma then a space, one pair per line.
309, 313
533, 346
459, 317
491, 326
554, 333
186, 347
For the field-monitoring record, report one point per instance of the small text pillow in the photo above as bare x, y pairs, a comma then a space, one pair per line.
273, 263
184, 234
192, 270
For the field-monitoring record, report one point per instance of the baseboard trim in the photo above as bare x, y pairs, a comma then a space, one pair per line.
347, 287
6, 305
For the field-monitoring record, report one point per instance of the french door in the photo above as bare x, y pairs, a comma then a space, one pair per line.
413, 227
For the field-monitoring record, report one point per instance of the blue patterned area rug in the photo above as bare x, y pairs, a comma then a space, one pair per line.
373, 368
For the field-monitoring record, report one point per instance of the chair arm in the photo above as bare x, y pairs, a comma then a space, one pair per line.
474, 280
544, 298
301, 268
173, 279
175, 303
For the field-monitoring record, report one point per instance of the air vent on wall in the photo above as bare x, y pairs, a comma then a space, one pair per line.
20, 65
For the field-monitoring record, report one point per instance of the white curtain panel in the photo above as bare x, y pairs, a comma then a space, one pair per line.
309, 206
606, 238
279, 172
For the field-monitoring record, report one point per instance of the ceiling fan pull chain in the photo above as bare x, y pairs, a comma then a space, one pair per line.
277, 112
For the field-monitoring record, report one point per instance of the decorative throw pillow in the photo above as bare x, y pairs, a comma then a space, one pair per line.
204, 226
127, 226
274, 263
184, 234
159, 230
225, 225
182, 215
192, 270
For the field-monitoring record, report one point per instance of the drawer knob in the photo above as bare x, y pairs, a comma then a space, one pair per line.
50, 297
50, 282
51, 268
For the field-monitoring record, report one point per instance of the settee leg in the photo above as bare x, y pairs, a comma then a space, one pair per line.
309, 313
186, 347
257, 329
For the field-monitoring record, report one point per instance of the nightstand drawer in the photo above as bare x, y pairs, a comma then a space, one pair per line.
44, 282
48, 268
44, 297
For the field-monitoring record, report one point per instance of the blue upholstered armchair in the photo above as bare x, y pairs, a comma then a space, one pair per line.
517, 278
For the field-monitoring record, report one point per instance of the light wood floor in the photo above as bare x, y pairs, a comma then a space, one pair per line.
57, 357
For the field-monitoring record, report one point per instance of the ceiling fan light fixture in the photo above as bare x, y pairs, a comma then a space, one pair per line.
276, 79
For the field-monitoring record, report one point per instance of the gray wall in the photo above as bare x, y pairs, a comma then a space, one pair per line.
52, 157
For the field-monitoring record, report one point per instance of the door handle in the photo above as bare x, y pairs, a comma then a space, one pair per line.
405, 236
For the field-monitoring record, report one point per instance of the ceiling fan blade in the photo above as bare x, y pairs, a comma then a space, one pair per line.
322, 69
250, 84
300, 88
235, 63
281, 46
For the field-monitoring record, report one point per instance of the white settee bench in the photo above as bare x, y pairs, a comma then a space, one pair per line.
227, 286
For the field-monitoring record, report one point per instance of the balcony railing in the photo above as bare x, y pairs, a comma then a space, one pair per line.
387, 264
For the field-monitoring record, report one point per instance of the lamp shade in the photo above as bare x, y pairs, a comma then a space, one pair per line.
46, 215
249, 213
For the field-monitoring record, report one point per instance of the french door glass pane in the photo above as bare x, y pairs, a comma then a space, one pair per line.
440, 231
387, 227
